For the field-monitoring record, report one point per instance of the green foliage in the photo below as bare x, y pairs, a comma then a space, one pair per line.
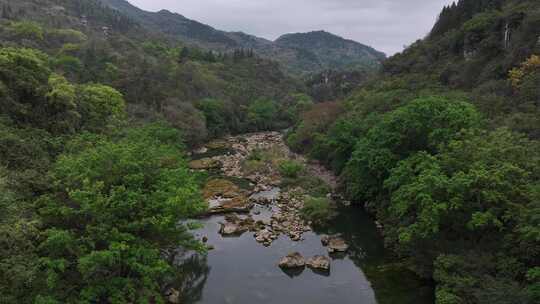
26, 30
219, 117
421, 125
18, 266
67, 35
298, 104
291, 169
262, 114
316, 120
114, 207
318, 210
101, 106
477, 188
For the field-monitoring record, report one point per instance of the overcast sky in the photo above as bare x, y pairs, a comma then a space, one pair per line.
386, 25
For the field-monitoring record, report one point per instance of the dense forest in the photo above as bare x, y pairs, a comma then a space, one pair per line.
443, 149
98, 113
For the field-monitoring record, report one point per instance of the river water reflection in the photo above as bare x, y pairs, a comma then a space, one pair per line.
239, 270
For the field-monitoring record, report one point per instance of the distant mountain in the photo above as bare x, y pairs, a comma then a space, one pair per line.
321, 50
299, 53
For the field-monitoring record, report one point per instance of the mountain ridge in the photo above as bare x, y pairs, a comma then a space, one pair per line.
291, 50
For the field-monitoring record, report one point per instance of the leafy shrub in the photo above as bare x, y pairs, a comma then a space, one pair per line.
318, 210
291, 168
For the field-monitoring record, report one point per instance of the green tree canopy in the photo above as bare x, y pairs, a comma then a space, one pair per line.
421, 125
115, 208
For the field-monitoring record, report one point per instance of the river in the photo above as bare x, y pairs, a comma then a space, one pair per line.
240, 270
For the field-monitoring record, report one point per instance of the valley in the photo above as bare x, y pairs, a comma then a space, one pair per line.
149, 158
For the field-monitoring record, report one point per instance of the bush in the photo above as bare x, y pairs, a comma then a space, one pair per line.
291, 168
318, 210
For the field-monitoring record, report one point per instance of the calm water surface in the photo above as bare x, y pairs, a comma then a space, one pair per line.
241, 271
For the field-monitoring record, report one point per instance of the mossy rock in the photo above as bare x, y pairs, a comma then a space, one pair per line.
221, 187
205, 164
218, 144
234, 199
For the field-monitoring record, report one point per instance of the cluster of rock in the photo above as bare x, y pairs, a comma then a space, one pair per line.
296, 260
235, 225
288, 221
226, 197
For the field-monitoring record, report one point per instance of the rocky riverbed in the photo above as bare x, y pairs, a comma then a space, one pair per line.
262, 250
224, 196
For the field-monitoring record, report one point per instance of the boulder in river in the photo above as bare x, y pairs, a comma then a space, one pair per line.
319, 262
235, 225
173, 296
229, 228
337, 244
325, 239
292, 260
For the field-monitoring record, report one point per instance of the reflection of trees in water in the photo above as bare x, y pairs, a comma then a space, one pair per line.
390, 280
191, 273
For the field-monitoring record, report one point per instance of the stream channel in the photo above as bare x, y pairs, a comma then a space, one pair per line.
240, 270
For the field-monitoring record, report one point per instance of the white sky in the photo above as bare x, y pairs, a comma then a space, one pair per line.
386, 25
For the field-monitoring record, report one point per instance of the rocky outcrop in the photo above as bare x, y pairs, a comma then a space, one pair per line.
223, 196
292, 260
218, 144
235, 226
205, 164
319, 262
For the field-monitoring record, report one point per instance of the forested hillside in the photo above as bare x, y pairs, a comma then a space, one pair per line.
443, 149
95, 114
299, 54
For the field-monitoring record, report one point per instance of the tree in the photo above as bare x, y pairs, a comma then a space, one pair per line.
184, 55
100, 106
262, 114
421, 125
217, 116
469, 200
113, 214
62, 106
